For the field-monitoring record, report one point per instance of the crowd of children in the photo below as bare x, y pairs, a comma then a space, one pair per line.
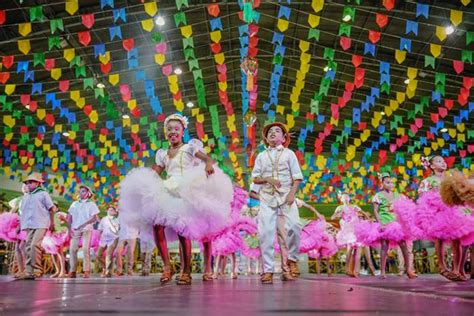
197, 201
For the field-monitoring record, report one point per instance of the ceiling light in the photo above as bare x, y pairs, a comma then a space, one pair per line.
178, 71
160, 21
66, 134
382, 113
326, 69
347, 18
449, 30
189, 104
443, 130
125, 116
27, 106
422, 74
407, 81
100, 85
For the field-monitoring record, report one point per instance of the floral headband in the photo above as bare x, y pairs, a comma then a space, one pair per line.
383, 175
177, 117
426, 162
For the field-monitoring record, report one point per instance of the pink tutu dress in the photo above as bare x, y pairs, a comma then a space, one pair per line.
349, 219
9, 225
430, 218
318, 239
52, 242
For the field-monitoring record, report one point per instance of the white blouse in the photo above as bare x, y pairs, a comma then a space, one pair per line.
183, 160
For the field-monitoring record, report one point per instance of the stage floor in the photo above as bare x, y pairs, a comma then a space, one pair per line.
337, 295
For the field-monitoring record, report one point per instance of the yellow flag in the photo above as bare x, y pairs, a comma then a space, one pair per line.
462, 138
160, 59
461, 127
93, 116
465, 2
104, 59
313, 20
114, 79
216, 36
56, 73
222, 86
81, 102
179, 104
435, 50
135, 128
400, 55
317, 5
41, 113
186, 31
290, 121
412, 72
427, 151
148, 24
410, 93
280, 109
400, 97
304, 46
9, 121
456, 17
357, 142
132, 104
69, 54
75, 95
24, 28
194, 112
412, 84
219, 58
72, 6
388, 110
441, 33
24, 46
282, 25
452, 132
10, 88
150, 8
393, 105
440, 142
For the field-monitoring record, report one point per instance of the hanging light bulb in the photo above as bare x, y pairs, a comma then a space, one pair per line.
65, 134
347, 18
407, 81
178, 71
159, 21
125, 116
443, 130
100, 85
190, 104
449, 30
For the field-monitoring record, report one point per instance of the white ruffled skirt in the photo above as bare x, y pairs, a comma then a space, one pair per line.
193, 205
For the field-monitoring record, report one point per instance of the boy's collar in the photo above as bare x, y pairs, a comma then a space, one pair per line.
279, 147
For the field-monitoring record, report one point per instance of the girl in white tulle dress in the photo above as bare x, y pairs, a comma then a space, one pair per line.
194, 200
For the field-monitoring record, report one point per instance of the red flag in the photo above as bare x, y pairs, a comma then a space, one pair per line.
128, 44
216, 48
25, 99
105, 68
458, 66
2, 16
49, 119
49, 63
4, 76
7, 61
213, 9
356, 60
374, 36
64, 85
388, 4
448, 103
345, 42
88, 20
84, 38
381, 19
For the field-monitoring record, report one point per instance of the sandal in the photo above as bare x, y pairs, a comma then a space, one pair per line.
166, 277
185, 279
207, 277
449, 275
411, 275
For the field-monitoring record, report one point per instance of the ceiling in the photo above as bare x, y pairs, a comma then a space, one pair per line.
282, 37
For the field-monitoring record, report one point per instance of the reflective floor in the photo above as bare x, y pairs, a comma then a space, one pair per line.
311, 295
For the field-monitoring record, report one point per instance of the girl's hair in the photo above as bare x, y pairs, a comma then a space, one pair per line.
426, 161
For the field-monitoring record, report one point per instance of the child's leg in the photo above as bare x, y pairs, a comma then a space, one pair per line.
223, 264
267, 226
348, 260
318, 265
86, 250
439, 248
401, 262
160, 240
368, 258
218, 262
329, 267
234, 266
464, 250
406, 258
293, 229
19, 256
131, 243
383, 258
186, 246
207, 257
100, 259
356, 257
120, 248
62, 263
109, 254
282, 242
33, 249
456, 244
471, 250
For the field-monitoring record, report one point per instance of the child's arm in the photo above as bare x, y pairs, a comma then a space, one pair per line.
159, 169
51, 218
290, 199
69, 224
337, 213
257, 174
297, 176
91, 220
376, 211
207, 160
319, 215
